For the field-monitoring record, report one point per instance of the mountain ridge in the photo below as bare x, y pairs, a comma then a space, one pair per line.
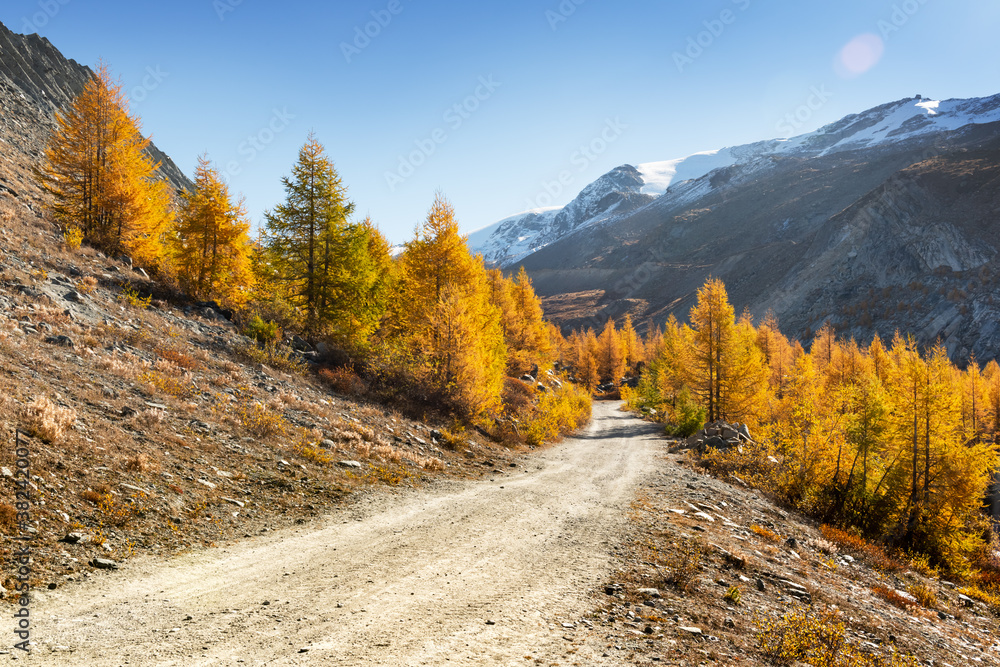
36, 81
896, 122
806, 228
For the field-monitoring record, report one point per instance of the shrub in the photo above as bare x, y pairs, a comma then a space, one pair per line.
452, 441
688, 418
817, 639
871, 553
317, 455
894, 597
87, 285
44, 419
924, 595
733, 595
157, 382
990, 596
766, 533
258, 420
273, 355
131, 297
73, 237
684, 562
265, 333
559, 411
344, 380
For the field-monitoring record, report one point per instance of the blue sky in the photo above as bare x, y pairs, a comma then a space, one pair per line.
490, 101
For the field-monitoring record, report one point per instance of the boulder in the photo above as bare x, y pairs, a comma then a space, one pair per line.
63, 341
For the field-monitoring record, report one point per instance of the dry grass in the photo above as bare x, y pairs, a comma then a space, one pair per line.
8, 519
894, 597
46, 420
260, 421
126, 365
138, 463
344, 381
179, 359
872, 553
766, 533
816, 638
87, 285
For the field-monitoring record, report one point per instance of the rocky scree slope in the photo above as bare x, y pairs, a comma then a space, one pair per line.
158, 431
36, 80
710, 561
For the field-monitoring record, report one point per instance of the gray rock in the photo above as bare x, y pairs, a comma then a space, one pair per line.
649, 592
350, 464
327, 444
74, 538
760, 585
73, 296
63, 341
104, 564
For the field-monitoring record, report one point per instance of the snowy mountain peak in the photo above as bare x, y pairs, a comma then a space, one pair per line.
626, 188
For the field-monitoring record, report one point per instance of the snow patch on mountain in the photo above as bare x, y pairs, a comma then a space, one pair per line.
626, 188
659, 176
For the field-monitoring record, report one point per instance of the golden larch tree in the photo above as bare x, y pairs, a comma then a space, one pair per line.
101, 177
443, 315
212, 247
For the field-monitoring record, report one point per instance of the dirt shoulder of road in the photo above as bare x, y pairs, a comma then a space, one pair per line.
745, 562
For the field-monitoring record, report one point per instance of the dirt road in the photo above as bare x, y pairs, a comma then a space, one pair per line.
458, 573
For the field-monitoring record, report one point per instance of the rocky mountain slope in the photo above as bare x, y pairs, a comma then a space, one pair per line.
35, 81
609, 198
884, 220
158, 428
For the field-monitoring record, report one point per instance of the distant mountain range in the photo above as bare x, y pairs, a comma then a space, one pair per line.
885, 219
